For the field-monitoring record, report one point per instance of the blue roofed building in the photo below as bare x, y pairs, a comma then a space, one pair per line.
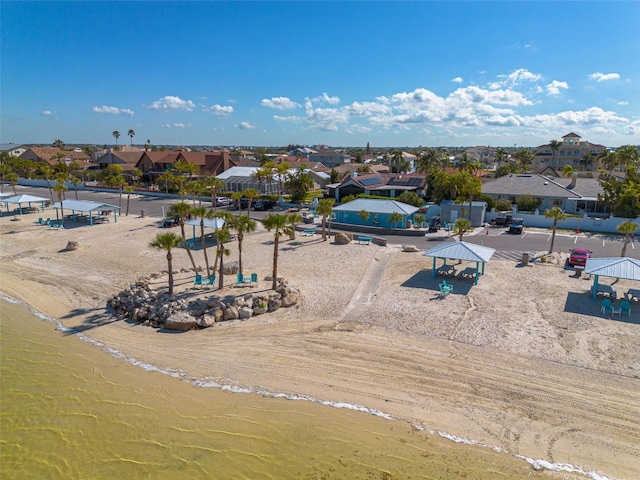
379, 213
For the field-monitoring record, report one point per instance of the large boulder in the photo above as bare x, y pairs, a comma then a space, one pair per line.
244, 313
289, 300
342, 238
231, 313
72, 245
180, 321
231, 268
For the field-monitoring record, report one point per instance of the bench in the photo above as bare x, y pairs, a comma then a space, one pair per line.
364, 239
309, 231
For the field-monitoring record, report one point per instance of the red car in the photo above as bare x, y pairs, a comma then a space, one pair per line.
579, 257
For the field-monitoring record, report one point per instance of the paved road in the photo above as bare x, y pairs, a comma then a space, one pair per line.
507, 246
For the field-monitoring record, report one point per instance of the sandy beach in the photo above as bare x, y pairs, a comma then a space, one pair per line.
523, 361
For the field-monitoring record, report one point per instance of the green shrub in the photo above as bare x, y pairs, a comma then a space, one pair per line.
526, 203
503, 205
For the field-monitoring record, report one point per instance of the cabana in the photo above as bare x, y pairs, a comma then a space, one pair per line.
28, 199
469, 252
214, 223
616, 267
83, 208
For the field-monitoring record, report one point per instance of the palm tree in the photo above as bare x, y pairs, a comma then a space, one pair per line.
608, 159
167, 241
462, 226
76, 181
129, 189
325, 208
47, 172
558, 215
627, 228
237, 196
568, 171
281, 225
60, 188
396, 162
252, 194
58, 143
13, 179
214, 184
242, 224
204, 214
394, 218
501, 155
181, 210
222, 237
116, 135
364, 215
131, 133
429, 161
627, 155
554, 145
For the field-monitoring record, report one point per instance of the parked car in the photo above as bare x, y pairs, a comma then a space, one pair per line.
222, 201
245, 204
434, 224
171, 222
516, 226
264, 205
579, 256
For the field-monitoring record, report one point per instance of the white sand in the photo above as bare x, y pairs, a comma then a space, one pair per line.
523, 360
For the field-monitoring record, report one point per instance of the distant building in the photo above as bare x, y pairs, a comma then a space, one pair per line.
13, 149
383, 184
53, 155
581, 155
330, 158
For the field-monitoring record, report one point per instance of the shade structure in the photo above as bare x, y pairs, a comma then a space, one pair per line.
84, 206
214, 223
22, 199
616, 267
469, 252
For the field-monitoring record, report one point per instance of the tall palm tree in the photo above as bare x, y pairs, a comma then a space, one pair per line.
203, 213
76, 181
129, 189
462, 226
116, 135
281, 225
131, 133
608, 159
242, 224
396, 162
252, 194
214, 184
627, 228
47, 172
237, 196
222, 237
181, 210
429, 161
554, 145
58, 143
558, 215
167, 241
501, 155
60, 188
325, 208
13, 178
627, 155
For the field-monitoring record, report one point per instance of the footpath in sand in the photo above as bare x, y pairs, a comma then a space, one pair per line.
523, 360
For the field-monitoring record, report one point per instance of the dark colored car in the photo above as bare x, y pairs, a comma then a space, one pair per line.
434, 224
516, 226
579, 256
171, 222
264, 205
245, 203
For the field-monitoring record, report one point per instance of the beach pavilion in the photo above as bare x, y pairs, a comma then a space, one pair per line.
214, 223
616, 267
84, 209
22, 199
468, 252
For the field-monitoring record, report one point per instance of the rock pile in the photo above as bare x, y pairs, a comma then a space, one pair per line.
142, 304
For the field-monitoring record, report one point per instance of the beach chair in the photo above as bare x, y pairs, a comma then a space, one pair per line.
625, 307
212, 279
197, 281
47, 222
254, 278
445, 289
40, 221
606, 306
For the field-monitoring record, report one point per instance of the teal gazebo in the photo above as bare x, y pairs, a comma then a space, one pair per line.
469, 252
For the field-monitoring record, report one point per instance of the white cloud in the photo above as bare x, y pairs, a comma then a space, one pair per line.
245, 126
325, 98
113, 110
358, 129
291, 118
554, 87
603, 77
279, 103
48, 113
219, 110
517, 77
457, 80
172, 103
623, 102
174, 125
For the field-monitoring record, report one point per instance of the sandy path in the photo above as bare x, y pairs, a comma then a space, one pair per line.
521, 361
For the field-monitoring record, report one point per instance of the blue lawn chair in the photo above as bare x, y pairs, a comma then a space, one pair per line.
197, 281
625, 307
606, 306
254, 278
445, 289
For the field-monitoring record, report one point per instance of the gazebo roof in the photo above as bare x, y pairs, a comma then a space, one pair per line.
83, 206
24, 198
214, 223
617, 267
461, 251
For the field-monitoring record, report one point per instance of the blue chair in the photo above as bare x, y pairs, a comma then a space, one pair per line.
197, 281
40, 221
606, 306
254, 278
445, 289
625, 307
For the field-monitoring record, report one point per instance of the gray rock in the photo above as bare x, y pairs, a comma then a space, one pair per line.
342, 238
180, 321
289, 300
206, 321
231, 268
274, 304
231, 313
245, 312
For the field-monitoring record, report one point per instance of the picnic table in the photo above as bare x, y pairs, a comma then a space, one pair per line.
605, 289
468, 272
364, 239
633, 293
448, 270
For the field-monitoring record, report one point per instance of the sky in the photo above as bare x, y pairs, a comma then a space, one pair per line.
270, 73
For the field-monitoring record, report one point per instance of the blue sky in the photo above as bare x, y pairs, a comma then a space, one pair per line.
335, 73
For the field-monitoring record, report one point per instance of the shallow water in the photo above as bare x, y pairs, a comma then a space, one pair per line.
70, 410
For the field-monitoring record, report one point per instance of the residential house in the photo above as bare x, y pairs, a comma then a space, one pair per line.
127, 160
330, 158
153, 164
581, 155
302, 152
573, 195
13, 149
383, 184
53, 155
